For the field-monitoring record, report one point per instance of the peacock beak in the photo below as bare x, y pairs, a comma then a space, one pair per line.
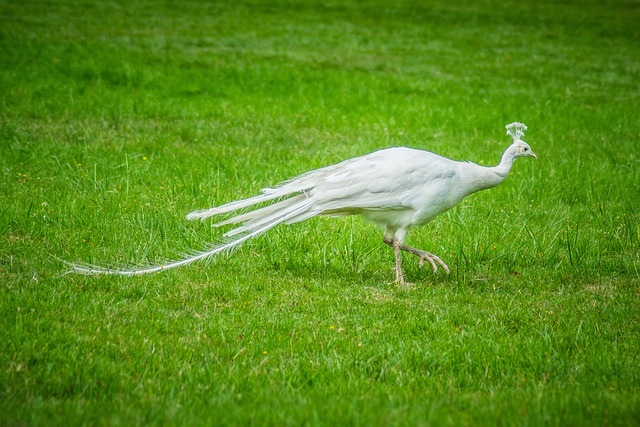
532, 154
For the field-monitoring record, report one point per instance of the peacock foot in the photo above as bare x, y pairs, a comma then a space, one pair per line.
433, 259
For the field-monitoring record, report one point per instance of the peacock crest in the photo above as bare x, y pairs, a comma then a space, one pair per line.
516, 130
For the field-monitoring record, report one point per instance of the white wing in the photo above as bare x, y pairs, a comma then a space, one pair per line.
392, 179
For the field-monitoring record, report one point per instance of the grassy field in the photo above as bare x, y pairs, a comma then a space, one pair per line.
117, 119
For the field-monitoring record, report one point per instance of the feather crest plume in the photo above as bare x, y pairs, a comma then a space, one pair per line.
516, 130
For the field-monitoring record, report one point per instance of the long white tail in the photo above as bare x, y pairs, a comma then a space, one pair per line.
267, 195
294, 209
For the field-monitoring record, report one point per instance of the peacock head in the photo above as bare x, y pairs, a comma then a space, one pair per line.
522, 149
519, 148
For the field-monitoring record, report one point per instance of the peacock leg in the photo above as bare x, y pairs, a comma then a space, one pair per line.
396, 245
398, 255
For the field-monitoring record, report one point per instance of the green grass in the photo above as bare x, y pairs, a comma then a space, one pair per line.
117, 119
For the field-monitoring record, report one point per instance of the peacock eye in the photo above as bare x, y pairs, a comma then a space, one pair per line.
526, 149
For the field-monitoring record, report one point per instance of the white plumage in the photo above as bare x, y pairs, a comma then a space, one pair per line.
396, 188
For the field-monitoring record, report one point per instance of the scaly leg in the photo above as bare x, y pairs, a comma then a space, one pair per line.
423, 255
396, 251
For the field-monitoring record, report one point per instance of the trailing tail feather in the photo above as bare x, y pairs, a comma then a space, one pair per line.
267, 195
294, 209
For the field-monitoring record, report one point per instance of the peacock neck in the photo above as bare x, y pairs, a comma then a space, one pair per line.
482, 178
503, 169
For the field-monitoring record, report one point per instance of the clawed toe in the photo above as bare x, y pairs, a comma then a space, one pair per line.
433, 259
426, 257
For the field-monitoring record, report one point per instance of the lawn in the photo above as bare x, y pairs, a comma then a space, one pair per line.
119, 118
